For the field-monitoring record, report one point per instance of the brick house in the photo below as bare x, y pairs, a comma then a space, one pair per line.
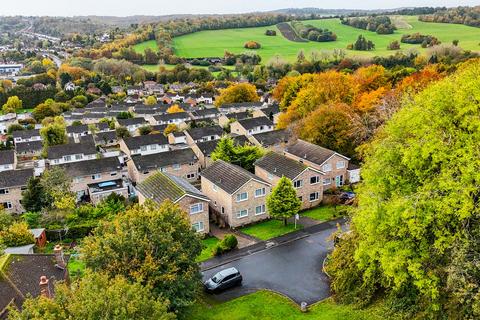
252, 126
163, 186
308, 182
203, 134
144, 145
12, 183
331, 163
181, 163
237, 196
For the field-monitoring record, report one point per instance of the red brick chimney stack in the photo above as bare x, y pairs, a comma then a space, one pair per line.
44, 287
60, 261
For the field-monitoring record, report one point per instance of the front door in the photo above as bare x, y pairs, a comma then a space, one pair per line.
339, 181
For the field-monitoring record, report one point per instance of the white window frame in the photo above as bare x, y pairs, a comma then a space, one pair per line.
96, 176
342, 166
327, 181
143, 148
327, 167
198, 205
239, 197
200, 226
262, 208
317, 196
214, 187
317, 178
239, 213
270, 176
295, 183
191, 175
78, 157
263, 191
67, 158
5, 191
176, 166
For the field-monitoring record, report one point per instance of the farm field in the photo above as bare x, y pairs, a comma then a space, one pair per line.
214, 42
140, 48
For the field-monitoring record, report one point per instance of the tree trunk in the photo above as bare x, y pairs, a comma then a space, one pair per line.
285, 222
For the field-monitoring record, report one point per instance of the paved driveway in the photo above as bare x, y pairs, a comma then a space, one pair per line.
293, 269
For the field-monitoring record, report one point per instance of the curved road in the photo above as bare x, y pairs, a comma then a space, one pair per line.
293, 269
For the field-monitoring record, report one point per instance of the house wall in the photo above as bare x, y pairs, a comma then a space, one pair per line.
304, 191
72, 159
80, 184
184, 170
203, 216
237, 128
150, 149
14, 196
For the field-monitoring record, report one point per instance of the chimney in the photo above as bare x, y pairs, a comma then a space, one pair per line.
60, 261
44, 288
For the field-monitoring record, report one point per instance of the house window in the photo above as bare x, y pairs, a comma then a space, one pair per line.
163, 169
7, 205
191, 175
77, 179
198, 226
196, 208
7, 166
143, 148
242, 196
327, 181
340, 164
313, 196
153, 147
260, 192
96, 176
215, 188
270, 176
314, 179
176, 166
113, 173
78, 157
260, 210
3, 191
223, 210
56, 161
67, 158
297, 184
242, 213
327, 167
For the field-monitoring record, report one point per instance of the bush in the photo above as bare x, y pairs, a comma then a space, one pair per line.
228, 243
252, 45
270, 33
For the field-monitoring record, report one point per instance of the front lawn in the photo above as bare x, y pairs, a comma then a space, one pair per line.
324, 213
207, 248
269, 229
76, 267
267, 305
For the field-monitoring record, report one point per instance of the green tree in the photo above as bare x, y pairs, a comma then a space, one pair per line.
240, 155
6, 220
33, 198
95, 296
144, 130
56, 185
12, 105
150, 101
16, 234
154, 245
15, 127
54, 132
283, 202
122, 132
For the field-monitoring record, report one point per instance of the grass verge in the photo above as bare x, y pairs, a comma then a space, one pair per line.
269, 229
207, 248
324, 213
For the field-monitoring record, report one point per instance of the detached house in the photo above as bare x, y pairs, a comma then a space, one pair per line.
12, 183
163, 186
308, 182
97, 178
8, 160
332, 164
237, 196
181, 163
144, 145
196, 135
71, 152
252, 126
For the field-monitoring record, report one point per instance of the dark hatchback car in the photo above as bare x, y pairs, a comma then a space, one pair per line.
223, 280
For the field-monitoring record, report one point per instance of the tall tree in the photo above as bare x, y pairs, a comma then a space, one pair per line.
242, 92
33, 198
154, 245
53, 132
150, 100
12, 105
240, 155
283, 202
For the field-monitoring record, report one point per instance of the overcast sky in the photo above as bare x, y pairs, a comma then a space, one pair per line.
163, 7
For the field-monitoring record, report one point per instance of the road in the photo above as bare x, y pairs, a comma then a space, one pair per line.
293, 269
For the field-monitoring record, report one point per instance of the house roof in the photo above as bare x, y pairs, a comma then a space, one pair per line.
106, 136
252, 123
241, 105
25, 134
77, 129
205, 112
21, 275
146, 140
56, 152
85, 168
271, 138
171, 116
15, 178
207, 147
239, 115
227, 176
311, 152
162, 186
7, 157
198, 133
163, 159
279, 165
131, 121
29, 146
271, 110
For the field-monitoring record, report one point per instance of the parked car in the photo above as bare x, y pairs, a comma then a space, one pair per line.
345, 196
223, 280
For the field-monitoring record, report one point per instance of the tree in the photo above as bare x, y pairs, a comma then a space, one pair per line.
252, 45
12, 105
283, 202
125, 115
15, 127
6, 220
122, 132
57, 185
95, 296
17, 235
172, 127
33, 198
144, 130
175, 109
151, 100
54, 132
154, 245
240, 155
242, 92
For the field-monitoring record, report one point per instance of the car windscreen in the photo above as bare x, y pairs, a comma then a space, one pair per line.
216, 278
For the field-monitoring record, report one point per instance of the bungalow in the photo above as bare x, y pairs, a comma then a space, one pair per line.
96, 178
333, 164
8, 160
26, 135
144, 145
252, 126
237, 196
181, 163
132, 124
203, 134
275, 140
306, 181
71, 152
12, 183
163, 186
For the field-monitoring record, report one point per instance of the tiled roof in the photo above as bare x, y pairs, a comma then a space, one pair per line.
280, 165
271, 138
251, 123
88, 167
21, 147
198, 133
310, 152
25, 134
56, 152
7, 157
163, 159
131, 121
149, 139
15, 178
207, 147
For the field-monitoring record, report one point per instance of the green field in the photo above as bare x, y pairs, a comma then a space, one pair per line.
140, 48
215, 42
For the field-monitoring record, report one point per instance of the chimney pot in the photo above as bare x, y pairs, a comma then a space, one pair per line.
44, 287
60, 261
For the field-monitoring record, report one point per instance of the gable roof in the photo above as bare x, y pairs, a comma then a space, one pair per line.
77, 129
198, 133
131, 121
25, 134
171, 116
89, 167
279, 165
163, 159
228, 177
56, 152
251, 123
28, 146
311, 152
7, 157
146, 140
239, 115
15, 178
162, 186
105, 136
271, 138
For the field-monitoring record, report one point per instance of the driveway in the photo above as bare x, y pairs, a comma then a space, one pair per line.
293, 269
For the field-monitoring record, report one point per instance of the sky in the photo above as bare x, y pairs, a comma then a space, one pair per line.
165, 7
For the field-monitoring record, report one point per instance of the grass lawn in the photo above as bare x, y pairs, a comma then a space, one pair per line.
140, 47
208, 244
212, 43
76, 267
267, 305
324, 213
269, 229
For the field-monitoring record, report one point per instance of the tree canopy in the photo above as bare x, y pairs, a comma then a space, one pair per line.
241, 92
241, 155
283, 202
